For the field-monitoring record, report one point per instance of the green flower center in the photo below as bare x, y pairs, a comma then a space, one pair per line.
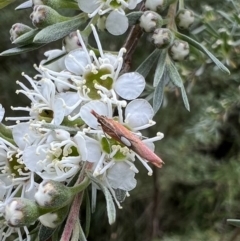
107, 144
14, 167
99, 78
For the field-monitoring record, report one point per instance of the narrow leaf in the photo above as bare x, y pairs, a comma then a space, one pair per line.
59, 30
176, 78
27, 4
21, 49
133, 17
160, 68
185, 98
159, 94
148, 63
235, 222
111, 210
4, 3
226, 16
202, 49
81, 236
45, 233
173, 73
23, 39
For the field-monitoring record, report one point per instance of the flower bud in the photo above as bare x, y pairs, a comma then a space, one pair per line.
158, 5
184, 18
53, 219
71, 42
150, 21
17, 30
21, 212
52, 194
162, 38
43, 16
179, 50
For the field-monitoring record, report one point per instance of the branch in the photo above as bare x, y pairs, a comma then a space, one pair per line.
131, 43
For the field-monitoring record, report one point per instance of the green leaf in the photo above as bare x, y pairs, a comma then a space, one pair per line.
159, 93
226, 16
176, 79
111, 210
4, 3
45, 233
185, 98
235, 222
133, 17
21, 49
81, 236
202, 49
59, 30
148, 63
24, 39
173, 73
160, 68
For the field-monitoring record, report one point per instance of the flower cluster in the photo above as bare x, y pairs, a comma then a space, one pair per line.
83, 110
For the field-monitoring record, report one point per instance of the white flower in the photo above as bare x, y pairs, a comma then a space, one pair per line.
60, 158
116, 21
13, 172
46, 103
101, 74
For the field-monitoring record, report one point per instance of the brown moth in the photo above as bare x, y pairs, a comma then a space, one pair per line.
121, 134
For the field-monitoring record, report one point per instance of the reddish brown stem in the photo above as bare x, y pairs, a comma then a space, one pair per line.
75, 207
131, 44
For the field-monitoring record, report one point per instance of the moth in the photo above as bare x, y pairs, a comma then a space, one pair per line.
121, 134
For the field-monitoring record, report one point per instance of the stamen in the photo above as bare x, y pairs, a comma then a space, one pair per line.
150, 171
97, 40
84, 46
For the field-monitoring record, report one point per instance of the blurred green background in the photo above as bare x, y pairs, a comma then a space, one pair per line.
191, 197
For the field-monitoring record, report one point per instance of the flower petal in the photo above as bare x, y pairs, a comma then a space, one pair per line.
116, 23
23, 135
59, 111
88, 6
130, 85
94, 150
87, 116
76, 61
121, 176
138, 113
31, 158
